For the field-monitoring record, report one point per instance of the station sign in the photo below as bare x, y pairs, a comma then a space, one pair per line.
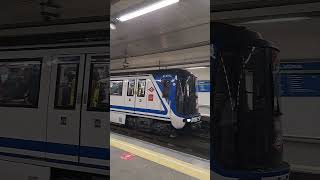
300, 79
203, 86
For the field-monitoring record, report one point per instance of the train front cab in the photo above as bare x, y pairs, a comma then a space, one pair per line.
178, 88
246, 131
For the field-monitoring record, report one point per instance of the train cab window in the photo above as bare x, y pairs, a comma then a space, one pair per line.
66, 86
166, 88
141, 88
20, 83
99, 87
131, 85
116, 88
249, 76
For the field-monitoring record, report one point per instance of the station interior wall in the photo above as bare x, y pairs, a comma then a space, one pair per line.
203, 97
298, 42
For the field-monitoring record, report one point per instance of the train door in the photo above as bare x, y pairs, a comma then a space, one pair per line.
64, 107
94, 141
141, 98
130, 94
153, 101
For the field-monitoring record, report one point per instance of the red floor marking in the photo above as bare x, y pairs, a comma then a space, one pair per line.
127, 156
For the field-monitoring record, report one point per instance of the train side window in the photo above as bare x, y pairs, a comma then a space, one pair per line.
131, 85
166, 88
116, 88
20, 83
66, 86
141, 88
98, 87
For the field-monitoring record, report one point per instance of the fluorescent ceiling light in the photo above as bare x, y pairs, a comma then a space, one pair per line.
147, 9
112, 26
276, 20
200, 67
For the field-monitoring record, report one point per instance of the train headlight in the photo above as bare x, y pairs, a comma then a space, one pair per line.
188, 120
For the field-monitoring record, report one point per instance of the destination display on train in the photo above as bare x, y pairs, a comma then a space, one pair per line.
300, 79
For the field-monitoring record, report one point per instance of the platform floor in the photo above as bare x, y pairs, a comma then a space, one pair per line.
141, 169
134, 159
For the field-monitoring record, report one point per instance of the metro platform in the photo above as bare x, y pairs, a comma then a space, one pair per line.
139, 160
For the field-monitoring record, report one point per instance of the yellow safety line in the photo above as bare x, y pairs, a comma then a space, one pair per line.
178, 165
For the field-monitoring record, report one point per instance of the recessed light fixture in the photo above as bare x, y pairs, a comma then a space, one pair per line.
276, 20
112, 26
199, 67
147, 9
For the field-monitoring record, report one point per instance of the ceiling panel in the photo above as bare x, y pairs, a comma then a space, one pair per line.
151, 31
296, 40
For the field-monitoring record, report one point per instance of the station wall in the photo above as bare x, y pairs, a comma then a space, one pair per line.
203, 74
183, 58
298, 42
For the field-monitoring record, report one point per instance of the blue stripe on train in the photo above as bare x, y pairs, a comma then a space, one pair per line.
65, 149
56, 148
139, 109
94, 152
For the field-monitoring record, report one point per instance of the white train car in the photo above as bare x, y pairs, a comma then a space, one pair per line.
54, 109
161, 100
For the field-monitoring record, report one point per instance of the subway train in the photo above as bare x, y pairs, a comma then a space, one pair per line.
54, 105
160, 101
246, 134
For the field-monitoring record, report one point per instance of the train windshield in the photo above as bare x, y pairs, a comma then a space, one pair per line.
246, 110
276, 82
186, 96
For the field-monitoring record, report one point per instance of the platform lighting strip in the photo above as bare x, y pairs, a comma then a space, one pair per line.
147, 9
277, 20
199, 67
167, 161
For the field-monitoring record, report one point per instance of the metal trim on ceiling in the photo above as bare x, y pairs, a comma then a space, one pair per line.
247, 19
91, 19
194, 45
162, 66
311, 10
256, 4
56, 38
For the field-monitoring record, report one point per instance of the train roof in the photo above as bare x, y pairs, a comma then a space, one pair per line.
174, 71
226, 36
